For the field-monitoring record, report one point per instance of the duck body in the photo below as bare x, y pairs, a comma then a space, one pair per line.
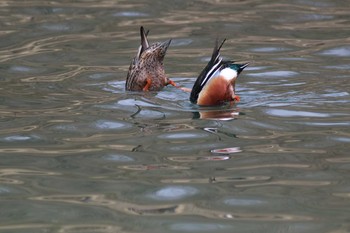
146, 71
216, 83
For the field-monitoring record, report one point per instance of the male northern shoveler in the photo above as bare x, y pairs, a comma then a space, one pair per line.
216, 83
146, 71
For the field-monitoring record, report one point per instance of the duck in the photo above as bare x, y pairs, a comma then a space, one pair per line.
146, 71
215, 84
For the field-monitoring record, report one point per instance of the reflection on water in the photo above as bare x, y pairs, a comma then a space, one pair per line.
79, 154
216, 115
173, 193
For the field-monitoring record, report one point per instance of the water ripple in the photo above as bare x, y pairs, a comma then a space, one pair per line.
183, 136
200, 227
96, 228
295, 113
227, 150
154, 167
338, 52
52, 152
118, 158
282, 73
82, 155
111, 125
182, 209
219, 179
130, 14
57, 27
16, 138
244, 202
21, 172
197, 158
172, 193
307, 183
269, 49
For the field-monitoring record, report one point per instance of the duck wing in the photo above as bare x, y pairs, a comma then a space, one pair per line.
208, 72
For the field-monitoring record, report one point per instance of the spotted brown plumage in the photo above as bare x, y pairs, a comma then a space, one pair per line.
146, 71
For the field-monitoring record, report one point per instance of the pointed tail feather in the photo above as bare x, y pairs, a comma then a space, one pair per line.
213, 65
144, 41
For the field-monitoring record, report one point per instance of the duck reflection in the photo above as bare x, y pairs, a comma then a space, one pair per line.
216, 114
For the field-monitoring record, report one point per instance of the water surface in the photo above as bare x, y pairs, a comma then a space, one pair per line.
79, 154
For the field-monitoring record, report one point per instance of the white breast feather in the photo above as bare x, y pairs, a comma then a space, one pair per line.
228, 74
